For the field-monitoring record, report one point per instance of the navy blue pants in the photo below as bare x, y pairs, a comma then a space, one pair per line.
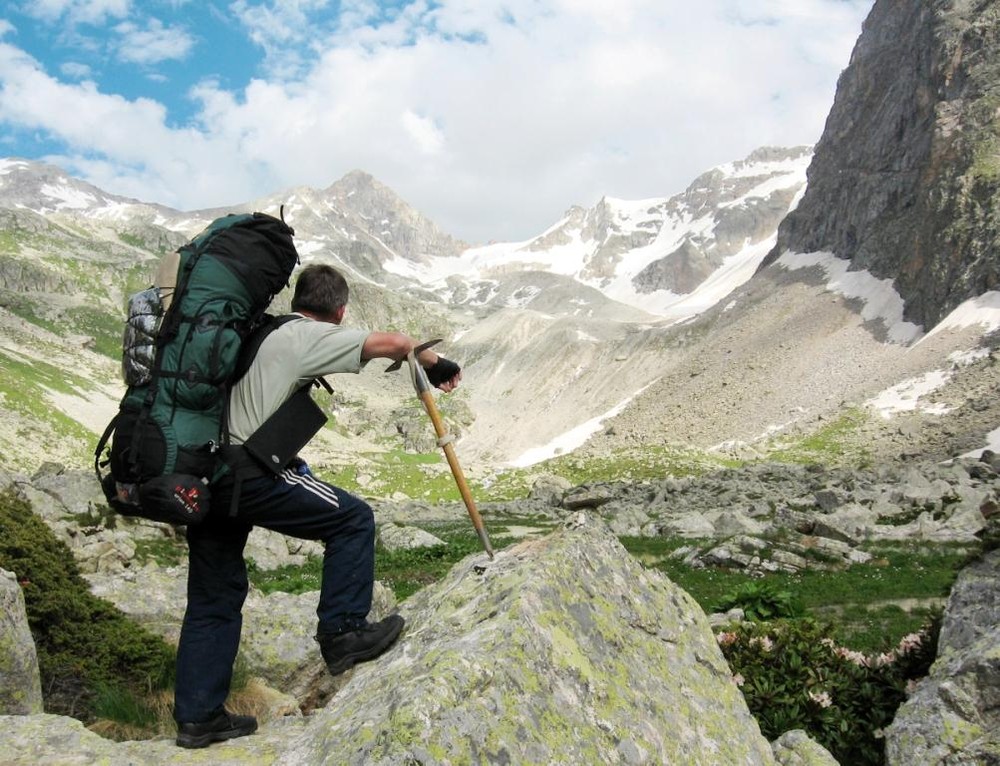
295, 504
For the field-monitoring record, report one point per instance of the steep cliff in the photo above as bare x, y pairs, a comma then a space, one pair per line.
905, 181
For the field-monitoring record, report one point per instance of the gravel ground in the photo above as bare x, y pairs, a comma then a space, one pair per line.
787, 361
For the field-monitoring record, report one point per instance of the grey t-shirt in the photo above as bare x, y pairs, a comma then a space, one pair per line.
290, 357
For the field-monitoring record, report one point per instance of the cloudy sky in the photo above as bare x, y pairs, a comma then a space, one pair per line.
491, 117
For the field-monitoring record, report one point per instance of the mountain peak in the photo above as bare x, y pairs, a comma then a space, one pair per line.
46, 188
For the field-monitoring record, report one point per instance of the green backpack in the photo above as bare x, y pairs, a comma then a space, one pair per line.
182, 344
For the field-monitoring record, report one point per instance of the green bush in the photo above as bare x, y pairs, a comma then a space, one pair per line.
794, 676
84, 644
761, 600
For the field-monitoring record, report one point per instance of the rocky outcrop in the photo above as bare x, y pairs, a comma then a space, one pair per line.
562, 650
20, 684
905, 181
953, 717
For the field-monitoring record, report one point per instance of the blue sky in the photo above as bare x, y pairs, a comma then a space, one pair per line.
491, 117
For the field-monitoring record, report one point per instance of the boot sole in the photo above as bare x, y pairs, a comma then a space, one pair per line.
204, 740
348, 661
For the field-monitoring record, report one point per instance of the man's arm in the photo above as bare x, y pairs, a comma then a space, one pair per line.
396, 345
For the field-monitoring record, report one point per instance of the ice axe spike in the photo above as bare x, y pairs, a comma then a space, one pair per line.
425, 392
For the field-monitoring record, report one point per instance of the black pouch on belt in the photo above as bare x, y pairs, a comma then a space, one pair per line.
288, 430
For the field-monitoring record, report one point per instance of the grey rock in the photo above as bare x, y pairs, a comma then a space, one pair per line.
973, 605
272, 550
952, 716
827, 500
797, 748
20, 684
729, 523
550, 489
586, 498
396, 537
850, 524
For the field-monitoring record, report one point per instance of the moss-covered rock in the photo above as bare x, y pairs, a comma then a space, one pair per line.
20, 684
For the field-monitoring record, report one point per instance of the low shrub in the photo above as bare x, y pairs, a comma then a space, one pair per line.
84, 644
761, 600
794, 676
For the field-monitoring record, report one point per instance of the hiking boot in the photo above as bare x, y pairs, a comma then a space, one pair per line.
224, 726
342, 650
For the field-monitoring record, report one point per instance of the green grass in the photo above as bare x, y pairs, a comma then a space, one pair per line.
22, 385
652, 462
105, 329
831, 443
26, 309
165, 552
854, 598
422, 476
862, 601
426, 476
115, 703
405, 571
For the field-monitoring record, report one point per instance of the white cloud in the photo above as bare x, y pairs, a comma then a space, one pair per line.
426, 135
78, 11
490, 117
75, 70
153, 43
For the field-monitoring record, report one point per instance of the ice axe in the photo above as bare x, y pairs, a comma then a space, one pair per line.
445, 440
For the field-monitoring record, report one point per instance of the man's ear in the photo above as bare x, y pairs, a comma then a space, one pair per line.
338, 314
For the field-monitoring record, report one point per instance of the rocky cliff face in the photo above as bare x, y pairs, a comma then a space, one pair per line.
905, 181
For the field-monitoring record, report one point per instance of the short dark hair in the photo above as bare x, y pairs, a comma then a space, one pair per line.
320, 289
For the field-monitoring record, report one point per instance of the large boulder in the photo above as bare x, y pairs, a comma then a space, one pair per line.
954, 714
20, 684
561, 650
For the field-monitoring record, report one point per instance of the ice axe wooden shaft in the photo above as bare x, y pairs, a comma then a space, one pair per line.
425, 392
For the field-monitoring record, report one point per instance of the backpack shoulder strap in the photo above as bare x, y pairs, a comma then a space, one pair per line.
253, 342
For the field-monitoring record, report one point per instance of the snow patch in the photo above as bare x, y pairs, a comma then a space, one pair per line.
68, 197
905, 396
8, 165
881, 301
983, 310
575, 437
992, 444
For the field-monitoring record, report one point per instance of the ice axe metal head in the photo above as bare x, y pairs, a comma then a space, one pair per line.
425, 392
416, 350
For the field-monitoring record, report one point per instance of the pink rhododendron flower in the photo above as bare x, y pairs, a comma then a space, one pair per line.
823, 699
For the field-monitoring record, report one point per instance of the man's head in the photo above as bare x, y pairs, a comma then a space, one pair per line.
321, 292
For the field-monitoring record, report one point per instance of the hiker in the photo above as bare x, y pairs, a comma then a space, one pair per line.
294, 502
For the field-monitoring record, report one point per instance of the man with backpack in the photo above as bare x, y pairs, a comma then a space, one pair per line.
286, 498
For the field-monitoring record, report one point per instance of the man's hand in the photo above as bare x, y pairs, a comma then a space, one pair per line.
444, 374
